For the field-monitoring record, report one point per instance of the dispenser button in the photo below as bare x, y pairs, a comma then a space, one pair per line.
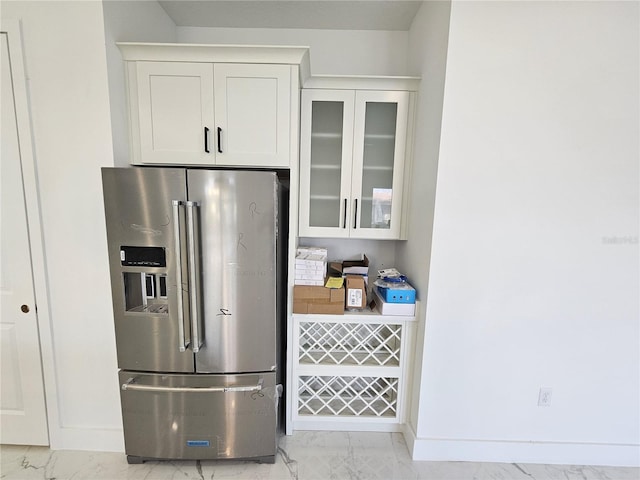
150, 281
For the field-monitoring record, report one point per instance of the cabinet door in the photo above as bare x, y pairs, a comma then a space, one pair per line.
378, 163
175, 110
252, 110
326, 146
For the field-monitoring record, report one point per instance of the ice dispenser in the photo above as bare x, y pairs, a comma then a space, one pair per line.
144, 278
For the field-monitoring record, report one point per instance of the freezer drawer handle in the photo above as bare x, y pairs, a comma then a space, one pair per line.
194, 274
182, 343
130, 385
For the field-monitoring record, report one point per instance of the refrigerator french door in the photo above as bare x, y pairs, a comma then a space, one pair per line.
194, 273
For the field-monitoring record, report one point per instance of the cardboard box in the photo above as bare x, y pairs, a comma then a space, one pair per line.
318, 299
311, 250
358, 267
386, 308
356, 293
314, 269
319, 275
335, 269
311, 260
299, 281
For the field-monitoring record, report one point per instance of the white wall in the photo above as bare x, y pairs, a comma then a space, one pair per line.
129, 21
534, 270
332, 52
67, 85
427, 56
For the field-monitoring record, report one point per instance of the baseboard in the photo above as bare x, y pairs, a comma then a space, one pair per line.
342, 426
85, 438
559, 453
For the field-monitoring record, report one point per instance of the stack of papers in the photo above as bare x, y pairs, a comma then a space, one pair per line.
334, 282
311, 266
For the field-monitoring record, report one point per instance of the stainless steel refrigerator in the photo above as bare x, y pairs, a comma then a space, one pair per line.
196, 260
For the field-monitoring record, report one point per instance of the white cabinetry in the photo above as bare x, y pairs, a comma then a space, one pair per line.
213, 105
353, 157
252, 109
349, 372
174, 112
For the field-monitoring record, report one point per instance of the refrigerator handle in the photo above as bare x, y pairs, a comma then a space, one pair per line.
193, 261
131, 385
182, 343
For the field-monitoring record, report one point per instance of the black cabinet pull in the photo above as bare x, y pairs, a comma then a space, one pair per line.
355, 216
219, 140
206, 140
344, 219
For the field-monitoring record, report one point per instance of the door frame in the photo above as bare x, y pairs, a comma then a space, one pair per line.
32, 204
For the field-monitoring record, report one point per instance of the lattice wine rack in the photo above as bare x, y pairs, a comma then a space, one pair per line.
349, 343
352, 396
348, 372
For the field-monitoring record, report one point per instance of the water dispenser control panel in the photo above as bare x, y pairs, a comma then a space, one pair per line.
142, 257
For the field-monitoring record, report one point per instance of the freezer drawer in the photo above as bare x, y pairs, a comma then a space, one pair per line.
199, 416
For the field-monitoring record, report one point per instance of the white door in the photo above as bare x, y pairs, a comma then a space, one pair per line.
22, 406
175, 112
253, 111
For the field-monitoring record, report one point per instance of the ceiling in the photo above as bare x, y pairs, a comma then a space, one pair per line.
324, 14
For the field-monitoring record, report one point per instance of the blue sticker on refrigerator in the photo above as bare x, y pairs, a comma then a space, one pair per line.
198, 443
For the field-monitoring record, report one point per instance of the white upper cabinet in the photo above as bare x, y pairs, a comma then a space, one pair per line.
213, 104
352, 163
206, 114
252, 109
175, 112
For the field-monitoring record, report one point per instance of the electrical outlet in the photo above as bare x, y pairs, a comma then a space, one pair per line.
544, 397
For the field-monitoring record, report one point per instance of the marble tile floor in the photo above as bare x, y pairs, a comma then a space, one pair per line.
302, 456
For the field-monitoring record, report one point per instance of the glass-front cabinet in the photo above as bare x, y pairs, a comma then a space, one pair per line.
352, 162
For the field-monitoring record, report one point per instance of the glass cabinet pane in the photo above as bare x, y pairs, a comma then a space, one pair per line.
377, 166
326, 163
